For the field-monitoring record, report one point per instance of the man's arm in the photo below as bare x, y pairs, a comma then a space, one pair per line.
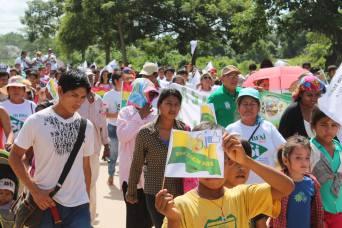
87, 173
6, 125
281, 185
41, 197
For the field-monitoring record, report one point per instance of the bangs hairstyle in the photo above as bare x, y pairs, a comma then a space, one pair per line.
115, 77
74, 79
286, 149
167, 93
316, 116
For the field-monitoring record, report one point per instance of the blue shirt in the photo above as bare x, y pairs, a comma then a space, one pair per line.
299, 204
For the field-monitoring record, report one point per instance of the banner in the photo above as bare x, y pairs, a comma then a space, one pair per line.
195, 154
52, 88
190, 112
273, 105
331, 102
208, 113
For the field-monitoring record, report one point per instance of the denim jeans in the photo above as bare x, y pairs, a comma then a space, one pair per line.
72, 217
156, 217
113, 155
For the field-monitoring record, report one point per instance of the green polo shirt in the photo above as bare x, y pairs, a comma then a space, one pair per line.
225, 105
331, 203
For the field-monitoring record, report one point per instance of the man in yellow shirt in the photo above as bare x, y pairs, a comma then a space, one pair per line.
213, 205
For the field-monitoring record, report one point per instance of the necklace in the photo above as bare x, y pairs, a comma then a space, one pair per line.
222, 217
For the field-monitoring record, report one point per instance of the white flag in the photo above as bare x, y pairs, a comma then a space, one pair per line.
331, 102
209, 67
193, 44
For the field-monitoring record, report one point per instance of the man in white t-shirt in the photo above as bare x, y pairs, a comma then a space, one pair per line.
52, 133
112, 101
17, 106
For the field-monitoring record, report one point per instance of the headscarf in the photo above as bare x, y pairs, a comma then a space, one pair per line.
308, 83
140, 94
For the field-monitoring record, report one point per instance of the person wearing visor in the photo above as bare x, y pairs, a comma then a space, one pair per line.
205, 86
131, 118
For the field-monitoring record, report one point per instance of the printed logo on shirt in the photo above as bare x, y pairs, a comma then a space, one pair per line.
227, 105
300, 197
257, 150
63, 135
16, 124
222, 222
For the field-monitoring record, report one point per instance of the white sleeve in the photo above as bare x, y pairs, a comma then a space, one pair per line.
89, 140
109, 102
277, 140
26, 134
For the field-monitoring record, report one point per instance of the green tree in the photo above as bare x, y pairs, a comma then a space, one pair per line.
41, 19
74, 33
320, 16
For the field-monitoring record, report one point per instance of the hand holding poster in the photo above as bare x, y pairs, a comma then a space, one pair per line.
195, 154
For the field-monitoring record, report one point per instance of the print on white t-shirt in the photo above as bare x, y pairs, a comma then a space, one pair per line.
112, 100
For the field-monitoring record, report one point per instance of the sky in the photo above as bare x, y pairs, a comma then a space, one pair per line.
10, 15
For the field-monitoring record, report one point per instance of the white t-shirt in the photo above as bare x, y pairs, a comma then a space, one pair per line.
53, 138
112, 100
264, 143
18, 113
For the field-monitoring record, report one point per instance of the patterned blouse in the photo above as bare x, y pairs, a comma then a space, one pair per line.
151, 153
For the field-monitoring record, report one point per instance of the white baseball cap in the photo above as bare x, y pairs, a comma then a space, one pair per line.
7, 184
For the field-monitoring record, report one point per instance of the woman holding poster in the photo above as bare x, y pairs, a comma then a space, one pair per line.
151, 149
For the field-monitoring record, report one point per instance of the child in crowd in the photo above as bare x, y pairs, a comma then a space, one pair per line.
211, 204
7, 189
303, 207
235, 174
326, 166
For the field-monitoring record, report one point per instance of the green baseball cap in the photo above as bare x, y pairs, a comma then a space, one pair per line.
251, 92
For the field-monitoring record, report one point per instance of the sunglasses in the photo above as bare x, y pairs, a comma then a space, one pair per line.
207, 77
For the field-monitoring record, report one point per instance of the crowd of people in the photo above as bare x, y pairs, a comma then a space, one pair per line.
288, 176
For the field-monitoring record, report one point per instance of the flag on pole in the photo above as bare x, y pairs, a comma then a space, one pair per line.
125, 92
208, 113
195, 154
331, 102
52, 88
193, 45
